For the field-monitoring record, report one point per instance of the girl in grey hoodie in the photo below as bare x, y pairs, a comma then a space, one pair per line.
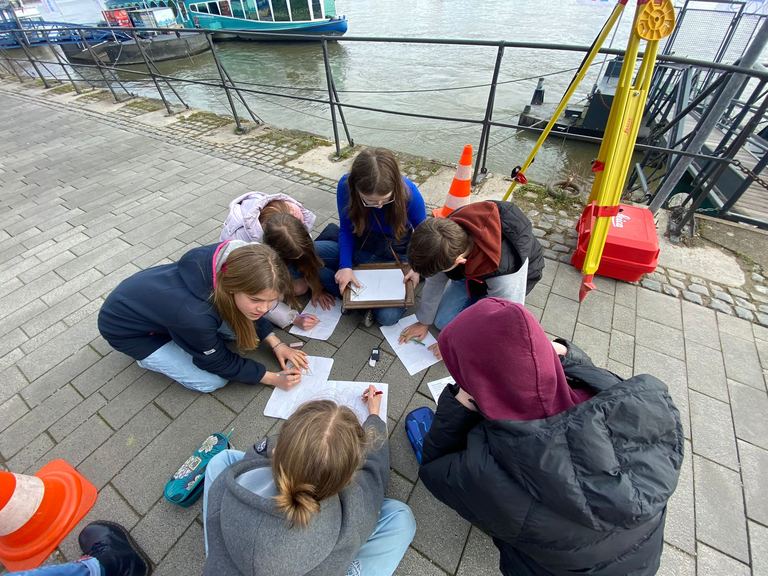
309, 502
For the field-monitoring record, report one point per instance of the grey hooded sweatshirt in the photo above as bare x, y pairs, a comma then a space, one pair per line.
247, 536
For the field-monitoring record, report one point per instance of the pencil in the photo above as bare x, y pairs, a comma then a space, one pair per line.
377, 393
415, 340
400, 264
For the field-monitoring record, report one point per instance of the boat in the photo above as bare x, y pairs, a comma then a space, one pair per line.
226, 18
120, 46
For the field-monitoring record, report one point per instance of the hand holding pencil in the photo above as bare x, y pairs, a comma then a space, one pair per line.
372, 398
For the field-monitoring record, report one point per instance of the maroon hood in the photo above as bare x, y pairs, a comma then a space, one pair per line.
499, 354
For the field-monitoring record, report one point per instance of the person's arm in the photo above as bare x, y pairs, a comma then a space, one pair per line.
346, 234
282, 316
417, 211
431, 295
510, 287
453, 422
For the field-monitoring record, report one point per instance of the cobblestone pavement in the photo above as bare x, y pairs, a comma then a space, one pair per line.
85, 203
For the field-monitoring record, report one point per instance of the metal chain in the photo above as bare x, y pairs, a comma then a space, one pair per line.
751, 174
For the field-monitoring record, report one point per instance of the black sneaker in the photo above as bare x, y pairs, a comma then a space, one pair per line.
115, 549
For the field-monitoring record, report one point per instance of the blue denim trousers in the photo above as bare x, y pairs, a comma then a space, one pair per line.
381, 553
176, 363
328, 251
455, 299
84, 567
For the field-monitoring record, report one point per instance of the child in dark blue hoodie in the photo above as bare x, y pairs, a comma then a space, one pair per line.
173, 319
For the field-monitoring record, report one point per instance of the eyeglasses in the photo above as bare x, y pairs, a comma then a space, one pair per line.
377, 204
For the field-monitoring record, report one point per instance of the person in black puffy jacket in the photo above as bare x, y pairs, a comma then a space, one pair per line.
566, 465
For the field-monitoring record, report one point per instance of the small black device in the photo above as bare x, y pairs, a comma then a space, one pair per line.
374, 357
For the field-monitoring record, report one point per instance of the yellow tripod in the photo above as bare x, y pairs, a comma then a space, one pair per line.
654, 20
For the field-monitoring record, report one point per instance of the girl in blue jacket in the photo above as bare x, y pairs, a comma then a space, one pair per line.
378, 211
174, 319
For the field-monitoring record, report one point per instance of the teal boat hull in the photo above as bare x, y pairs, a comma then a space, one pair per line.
228, 28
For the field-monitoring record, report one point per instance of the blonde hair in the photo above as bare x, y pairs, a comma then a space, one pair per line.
319, 449
249, 269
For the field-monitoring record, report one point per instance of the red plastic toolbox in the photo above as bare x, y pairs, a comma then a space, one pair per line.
631, 249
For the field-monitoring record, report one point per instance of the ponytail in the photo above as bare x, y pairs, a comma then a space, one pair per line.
296, 501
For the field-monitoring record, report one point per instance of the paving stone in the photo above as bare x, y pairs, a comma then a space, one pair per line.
349, 359
31, 453
416, 564
624, 319
398, 488
121, 381
750, 413
758, 541
142, 480
670, 290
660, 338
538, 296
720, 519
676, 563
699, 289
724, 296
743, 313
11, 410
480, 555
548, 273
101, 372
706, 372
567, 282
594, 342
731, 326
651, 285
677, 283
130, 402
442, 533
162, 526
251, 426
29, 292
597, 311
401, 456
720, 307
78, 444
26, 429
187, 555
737, 292
691, 297
670, 371
402, 387
604, 284
712, 430
700, 325
109, 458
754, 467
742, 363
87, 408
714, 563
560, 316
660, 309
622, 348
621, 370
680, 529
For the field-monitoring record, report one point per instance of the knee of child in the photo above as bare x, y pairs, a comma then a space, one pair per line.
300, 286
406, 522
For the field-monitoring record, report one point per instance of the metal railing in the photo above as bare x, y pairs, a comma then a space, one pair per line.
236, 91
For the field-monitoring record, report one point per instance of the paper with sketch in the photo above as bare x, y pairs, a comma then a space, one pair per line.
351, 394
282, 404
414, 357
379, 285
329, 319
436, 388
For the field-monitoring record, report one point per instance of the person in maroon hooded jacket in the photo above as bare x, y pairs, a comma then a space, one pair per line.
566, 465
483, 249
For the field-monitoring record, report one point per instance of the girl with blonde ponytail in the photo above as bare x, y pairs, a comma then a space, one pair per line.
309, 501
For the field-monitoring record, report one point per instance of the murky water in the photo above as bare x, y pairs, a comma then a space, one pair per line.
445, 80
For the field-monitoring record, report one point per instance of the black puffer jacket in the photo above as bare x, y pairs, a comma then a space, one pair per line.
581, 492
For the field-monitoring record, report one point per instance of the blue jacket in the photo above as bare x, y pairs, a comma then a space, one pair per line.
171, 302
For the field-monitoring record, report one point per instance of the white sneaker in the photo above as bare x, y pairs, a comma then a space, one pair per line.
368, 319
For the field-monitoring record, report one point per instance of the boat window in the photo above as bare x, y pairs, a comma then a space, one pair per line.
237, 8
201, 8
224, 8
262, 6
300, 10
213, 8
280, 8
317, 10
183, 9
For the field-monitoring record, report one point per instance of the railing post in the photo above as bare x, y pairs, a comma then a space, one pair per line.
97, 61
482, 148
58, 59
13, 69
329, 81
239, 128
150, 70
29, 57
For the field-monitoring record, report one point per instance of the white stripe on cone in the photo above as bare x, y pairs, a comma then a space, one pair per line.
26, 499
463, 172
453, 202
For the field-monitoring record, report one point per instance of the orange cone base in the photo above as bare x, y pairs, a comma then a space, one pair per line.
587, 285
68, 497
438, 212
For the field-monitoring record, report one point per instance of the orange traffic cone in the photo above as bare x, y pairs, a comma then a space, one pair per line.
461, 186
37, 512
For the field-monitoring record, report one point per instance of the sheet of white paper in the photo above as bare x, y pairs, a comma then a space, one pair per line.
329, 319
414, 357
282, 404
437, 387
380, 285
351, 394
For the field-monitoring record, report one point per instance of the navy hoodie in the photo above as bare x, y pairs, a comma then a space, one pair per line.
171, 302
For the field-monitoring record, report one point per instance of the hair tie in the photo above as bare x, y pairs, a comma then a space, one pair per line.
223, 268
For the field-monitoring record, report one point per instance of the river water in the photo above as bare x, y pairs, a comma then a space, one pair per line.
421, 78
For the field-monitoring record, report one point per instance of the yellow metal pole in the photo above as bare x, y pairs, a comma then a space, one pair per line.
654, 20
614, 17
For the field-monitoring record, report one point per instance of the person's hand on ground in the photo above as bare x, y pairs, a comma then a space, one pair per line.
373, 400
417, 330
436, 351
343, 277
325, 299
287, 354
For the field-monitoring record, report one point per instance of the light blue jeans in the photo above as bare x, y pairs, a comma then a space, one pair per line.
328, 251
455, 299
176, 363
379, 556
85, 567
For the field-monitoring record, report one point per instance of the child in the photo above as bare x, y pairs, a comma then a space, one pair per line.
284, 224
378, 210
565, 465
172, 319
483, 249
309, 501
